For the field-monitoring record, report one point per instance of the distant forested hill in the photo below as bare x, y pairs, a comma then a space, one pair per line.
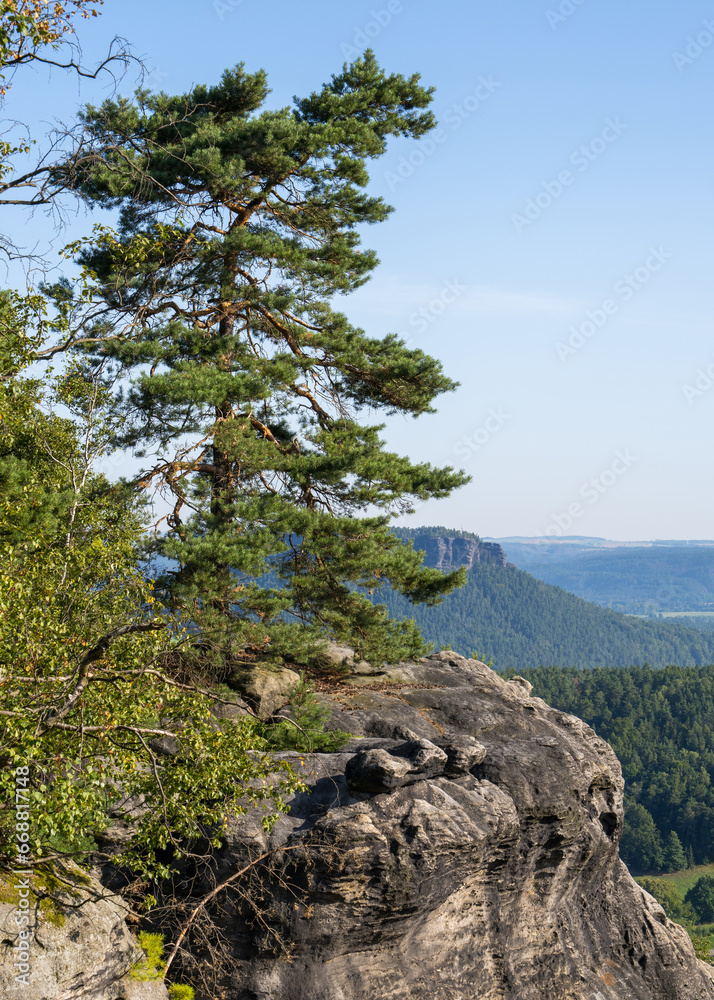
506, 614
660, 723
636, 580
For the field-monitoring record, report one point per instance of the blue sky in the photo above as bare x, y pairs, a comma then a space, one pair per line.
551, 243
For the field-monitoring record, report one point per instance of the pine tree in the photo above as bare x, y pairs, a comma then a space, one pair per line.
238, 228
675, 859
701, 896
641, 845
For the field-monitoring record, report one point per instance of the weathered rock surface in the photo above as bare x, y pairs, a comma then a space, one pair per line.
264, 686
448, 552
337, 657
80, 947
466, 846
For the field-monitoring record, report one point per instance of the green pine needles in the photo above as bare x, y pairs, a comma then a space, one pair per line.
238, 229
305, 731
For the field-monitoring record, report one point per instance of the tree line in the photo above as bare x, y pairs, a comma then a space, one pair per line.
510, 617
632, 580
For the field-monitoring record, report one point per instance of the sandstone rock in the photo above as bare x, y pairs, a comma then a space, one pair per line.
237, 709
523, 684
80, 948
448, 552
381, 770
361, 668
135, 989
491, 873
265, 687
336, 657
424, 757
376, 771
463, 753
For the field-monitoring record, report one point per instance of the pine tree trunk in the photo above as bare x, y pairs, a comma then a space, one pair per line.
222, 486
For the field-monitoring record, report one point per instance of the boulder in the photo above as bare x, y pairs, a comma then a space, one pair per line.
336, 657
264, 687
230, 709
463, 753
380, 770
79, 946
376, 771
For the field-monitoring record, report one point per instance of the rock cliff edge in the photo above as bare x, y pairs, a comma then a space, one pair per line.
464, 846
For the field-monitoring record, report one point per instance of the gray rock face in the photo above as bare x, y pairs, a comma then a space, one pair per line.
264, 686
79, 948
380, 770
337, 657
448, 552
466, 846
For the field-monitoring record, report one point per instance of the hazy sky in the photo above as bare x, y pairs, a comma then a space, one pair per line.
551, 244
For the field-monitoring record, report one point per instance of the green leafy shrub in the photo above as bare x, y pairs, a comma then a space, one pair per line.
701, 898
702, 947
87, 681
180, 992
152, 965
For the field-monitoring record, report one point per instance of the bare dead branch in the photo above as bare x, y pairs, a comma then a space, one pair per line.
214, 892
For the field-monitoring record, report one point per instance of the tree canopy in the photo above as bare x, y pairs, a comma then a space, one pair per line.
238, 229
203, 334
701, 898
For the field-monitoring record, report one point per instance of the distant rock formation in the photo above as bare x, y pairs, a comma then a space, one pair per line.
448, 552
464, 845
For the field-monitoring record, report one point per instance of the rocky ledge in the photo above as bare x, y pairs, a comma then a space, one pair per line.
77, 945
464, 845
